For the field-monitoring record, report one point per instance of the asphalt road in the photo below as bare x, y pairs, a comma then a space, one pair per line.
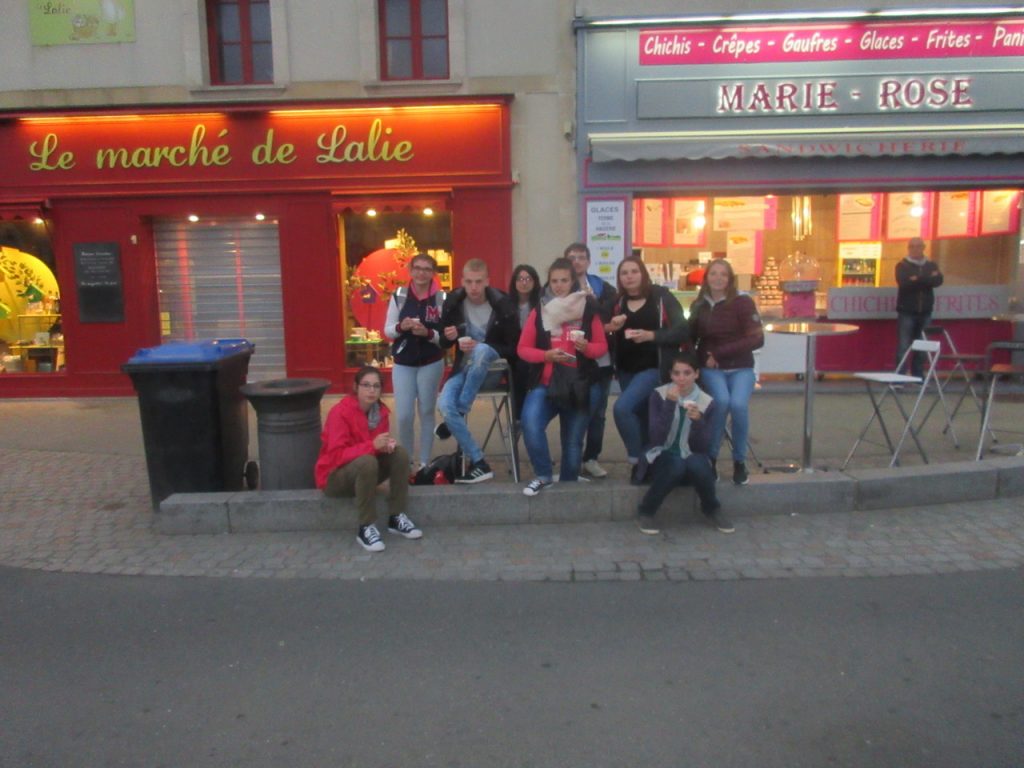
152, 672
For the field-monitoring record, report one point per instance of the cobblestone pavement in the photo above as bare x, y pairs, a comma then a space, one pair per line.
90, 513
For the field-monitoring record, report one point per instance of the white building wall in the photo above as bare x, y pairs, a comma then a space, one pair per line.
327, 49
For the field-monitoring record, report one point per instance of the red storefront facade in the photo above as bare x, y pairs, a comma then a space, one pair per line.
105, 177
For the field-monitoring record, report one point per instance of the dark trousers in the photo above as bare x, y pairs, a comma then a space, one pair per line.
909, 328
670, 470
595, 429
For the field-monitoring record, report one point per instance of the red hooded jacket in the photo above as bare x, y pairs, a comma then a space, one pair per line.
346, 436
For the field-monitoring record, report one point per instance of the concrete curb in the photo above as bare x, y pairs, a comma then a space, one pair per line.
599, 501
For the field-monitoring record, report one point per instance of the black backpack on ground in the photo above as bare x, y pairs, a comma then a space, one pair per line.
448, 464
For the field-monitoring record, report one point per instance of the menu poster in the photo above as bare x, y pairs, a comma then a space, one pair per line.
860, 251
98, 282
908, 214
956, 214
1000, 211
755, 213
743, 250
859, 217
605, 227
649, 214
689, 226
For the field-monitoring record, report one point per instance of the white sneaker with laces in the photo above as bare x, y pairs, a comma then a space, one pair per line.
369, 538
403, 526
536, 486
592, 468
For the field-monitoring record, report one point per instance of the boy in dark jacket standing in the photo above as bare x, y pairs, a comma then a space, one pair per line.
483, 324
916, 278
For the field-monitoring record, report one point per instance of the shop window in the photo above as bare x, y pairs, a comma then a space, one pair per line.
413, 39
221, 278
240, 48
376, 246
31, 336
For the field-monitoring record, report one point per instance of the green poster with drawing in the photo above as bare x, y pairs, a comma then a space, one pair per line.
70, 22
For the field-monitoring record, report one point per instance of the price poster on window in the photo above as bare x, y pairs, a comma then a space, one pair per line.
606, 235
908, 214
859, 217
757, 213
1000, 211
688, 222
743, 250
956, 214
649, 222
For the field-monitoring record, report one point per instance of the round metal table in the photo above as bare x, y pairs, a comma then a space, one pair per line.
811, 330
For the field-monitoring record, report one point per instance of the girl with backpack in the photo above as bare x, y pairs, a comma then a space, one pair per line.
562, 340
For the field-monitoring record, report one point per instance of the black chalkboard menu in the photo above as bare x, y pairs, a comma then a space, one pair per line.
98, 281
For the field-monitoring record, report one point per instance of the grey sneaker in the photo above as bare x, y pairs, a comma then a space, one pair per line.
369, 538
647, 524
721, 522
403, 526
592, 468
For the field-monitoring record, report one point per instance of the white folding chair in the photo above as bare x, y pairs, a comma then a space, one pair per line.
965, 366
992, 372
891, 384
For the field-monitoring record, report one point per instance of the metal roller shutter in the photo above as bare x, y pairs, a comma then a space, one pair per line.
222, 279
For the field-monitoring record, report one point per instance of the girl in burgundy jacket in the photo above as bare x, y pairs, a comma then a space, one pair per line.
726, 329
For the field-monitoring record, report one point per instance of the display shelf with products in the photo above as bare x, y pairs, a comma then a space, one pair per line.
859, 265
858, 272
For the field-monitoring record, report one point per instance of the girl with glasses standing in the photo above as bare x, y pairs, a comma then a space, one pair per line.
358, 453
414, 325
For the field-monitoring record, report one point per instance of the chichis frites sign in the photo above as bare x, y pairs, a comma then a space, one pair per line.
831, 42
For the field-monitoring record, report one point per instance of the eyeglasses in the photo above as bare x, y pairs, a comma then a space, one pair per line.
524, 279
369, 384
423, 268
578, 257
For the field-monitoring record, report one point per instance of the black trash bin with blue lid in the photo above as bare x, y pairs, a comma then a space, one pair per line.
195, 424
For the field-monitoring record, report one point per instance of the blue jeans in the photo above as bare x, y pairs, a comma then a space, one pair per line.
670, 470
416, 385
458, 395
731, 392
909, 327
595, 429
538, 411
630, 409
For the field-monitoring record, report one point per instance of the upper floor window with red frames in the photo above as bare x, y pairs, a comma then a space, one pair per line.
413, 39
239, 42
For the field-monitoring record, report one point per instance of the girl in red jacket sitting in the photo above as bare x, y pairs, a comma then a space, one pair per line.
358, 453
